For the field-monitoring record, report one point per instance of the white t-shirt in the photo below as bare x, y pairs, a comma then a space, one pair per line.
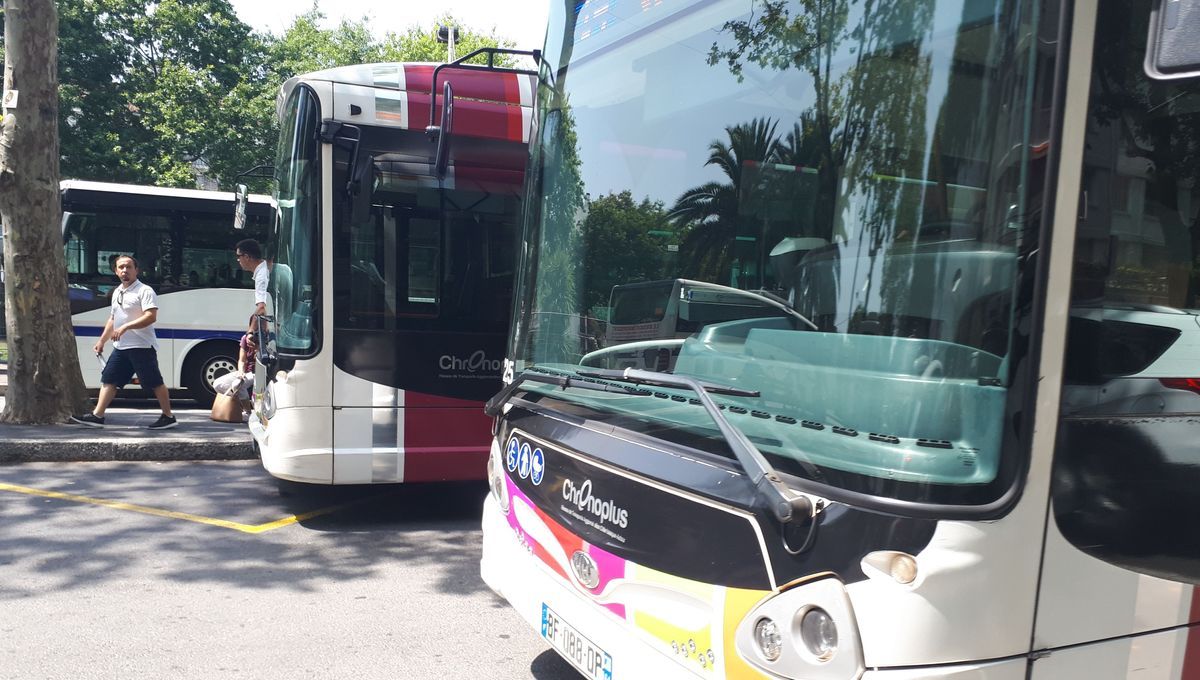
128, 304
261, 276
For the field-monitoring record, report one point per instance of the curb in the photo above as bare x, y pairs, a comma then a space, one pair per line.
43, 451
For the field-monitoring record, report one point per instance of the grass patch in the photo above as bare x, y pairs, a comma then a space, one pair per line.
3, 352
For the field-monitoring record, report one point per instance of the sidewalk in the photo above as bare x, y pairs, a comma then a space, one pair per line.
125, 437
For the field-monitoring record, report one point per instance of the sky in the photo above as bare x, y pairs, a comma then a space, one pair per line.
523, 21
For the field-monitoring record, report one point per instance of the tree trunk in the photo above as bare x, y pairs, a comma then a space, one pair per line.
44, 382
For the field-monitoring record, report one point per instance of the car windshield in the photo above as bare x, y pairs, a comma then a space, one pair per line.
825, 203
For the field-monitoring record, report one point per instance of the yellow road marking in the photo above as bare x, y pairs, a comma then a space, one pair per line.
186, 516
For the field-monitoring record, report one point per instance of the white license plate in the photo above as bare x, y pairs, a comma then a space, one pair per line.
592, 661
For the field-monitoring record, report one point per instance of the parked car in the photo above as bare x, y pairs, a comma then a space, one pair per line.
1131, 360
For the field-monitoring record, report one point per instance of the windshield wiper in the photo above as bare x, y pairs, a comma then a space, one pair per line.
495, 405
664, 380
771, 299
785, 504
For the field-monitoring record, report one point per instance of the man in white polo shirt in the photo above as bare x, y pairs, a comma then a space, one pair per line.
249, 257
131, 327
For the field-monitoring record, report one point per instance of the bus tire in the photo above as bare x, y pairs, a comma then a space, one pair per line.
205, 364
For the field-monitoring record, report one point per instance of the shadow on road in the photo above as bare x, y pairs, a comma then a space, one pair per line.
550, 666
372, 506
70, 544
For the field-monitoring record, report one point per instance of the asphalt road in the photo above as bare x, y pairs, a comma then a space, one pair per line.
211, 570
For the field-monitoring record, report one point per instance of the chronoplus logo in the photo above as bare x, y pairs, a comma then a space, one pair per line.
476, 363
581, 497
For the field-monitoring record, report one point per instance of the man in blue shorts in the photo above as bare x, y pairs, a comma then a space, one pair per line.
131, 327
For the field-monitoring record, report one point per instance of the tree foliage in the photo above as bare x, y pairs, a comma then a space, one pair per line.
562, 209
710, 213
305, 46
148, 88
420, 44
869, 91
625, 242
181, 92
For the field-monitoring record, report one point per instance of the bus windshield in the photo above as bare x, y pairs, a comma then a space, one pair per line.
296, 255
876, 170
415, 257
411, 247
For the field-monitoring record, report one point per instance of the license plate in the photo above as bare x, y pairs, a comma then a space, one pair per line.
592, 661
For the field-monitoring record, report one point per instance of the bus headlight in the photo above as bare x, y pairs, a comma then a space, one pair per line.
768, 638
268, 402
807, 630
496, 482
819, 633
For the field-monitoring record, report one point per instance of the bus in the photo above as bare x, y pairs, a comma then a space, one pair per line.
968, 448
648, 321
184, 242
392, 259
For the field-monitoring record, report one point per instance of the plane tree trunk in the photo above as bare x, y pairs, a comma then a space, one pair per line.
44, 382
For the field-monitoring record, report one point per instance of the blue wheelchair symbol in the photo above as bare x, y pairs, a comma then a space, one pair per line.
510, 460
538, 467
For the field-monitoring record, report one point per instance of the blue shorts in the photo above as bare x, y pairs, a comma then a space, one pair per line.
125, 362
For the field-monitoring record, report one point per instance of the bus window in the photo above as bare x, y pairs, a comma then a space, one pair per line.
1127, 454
423, 258
421, 254
641, 304
96, 239
205, 258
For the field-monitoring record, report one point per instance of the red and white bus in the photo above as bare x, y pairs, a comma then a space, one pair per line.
398, 189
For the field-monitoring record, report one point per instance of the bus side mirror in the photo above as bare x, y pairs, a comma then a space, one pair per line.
1173, 47
441, 157
241, 196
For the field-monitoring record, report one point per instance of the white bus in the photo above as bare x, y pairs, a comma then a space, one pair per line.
184, 242
976, 455
392, 270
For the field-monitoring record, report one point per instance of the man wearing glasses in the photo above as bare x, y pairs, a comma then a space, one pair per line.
131, 327
249, 257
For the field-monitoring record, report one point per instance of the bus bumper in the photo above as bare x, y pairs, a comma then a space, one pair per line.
521, 579
515, 574
282, 447
606, 646
1010, 669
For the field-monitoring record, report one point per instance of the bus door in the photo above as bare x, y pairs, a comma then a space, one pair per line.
1126, 460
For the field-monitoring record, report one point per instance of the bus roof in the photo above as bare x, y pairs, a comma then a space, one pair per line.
418, 77
76, 189
494, 104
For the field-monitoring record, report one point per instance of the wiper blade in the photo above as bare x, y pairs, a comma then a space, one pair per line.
784, 503
495, 405
664, 380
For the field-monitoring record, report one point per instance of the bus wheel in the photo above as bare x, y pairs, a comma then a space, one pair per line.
205, 365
